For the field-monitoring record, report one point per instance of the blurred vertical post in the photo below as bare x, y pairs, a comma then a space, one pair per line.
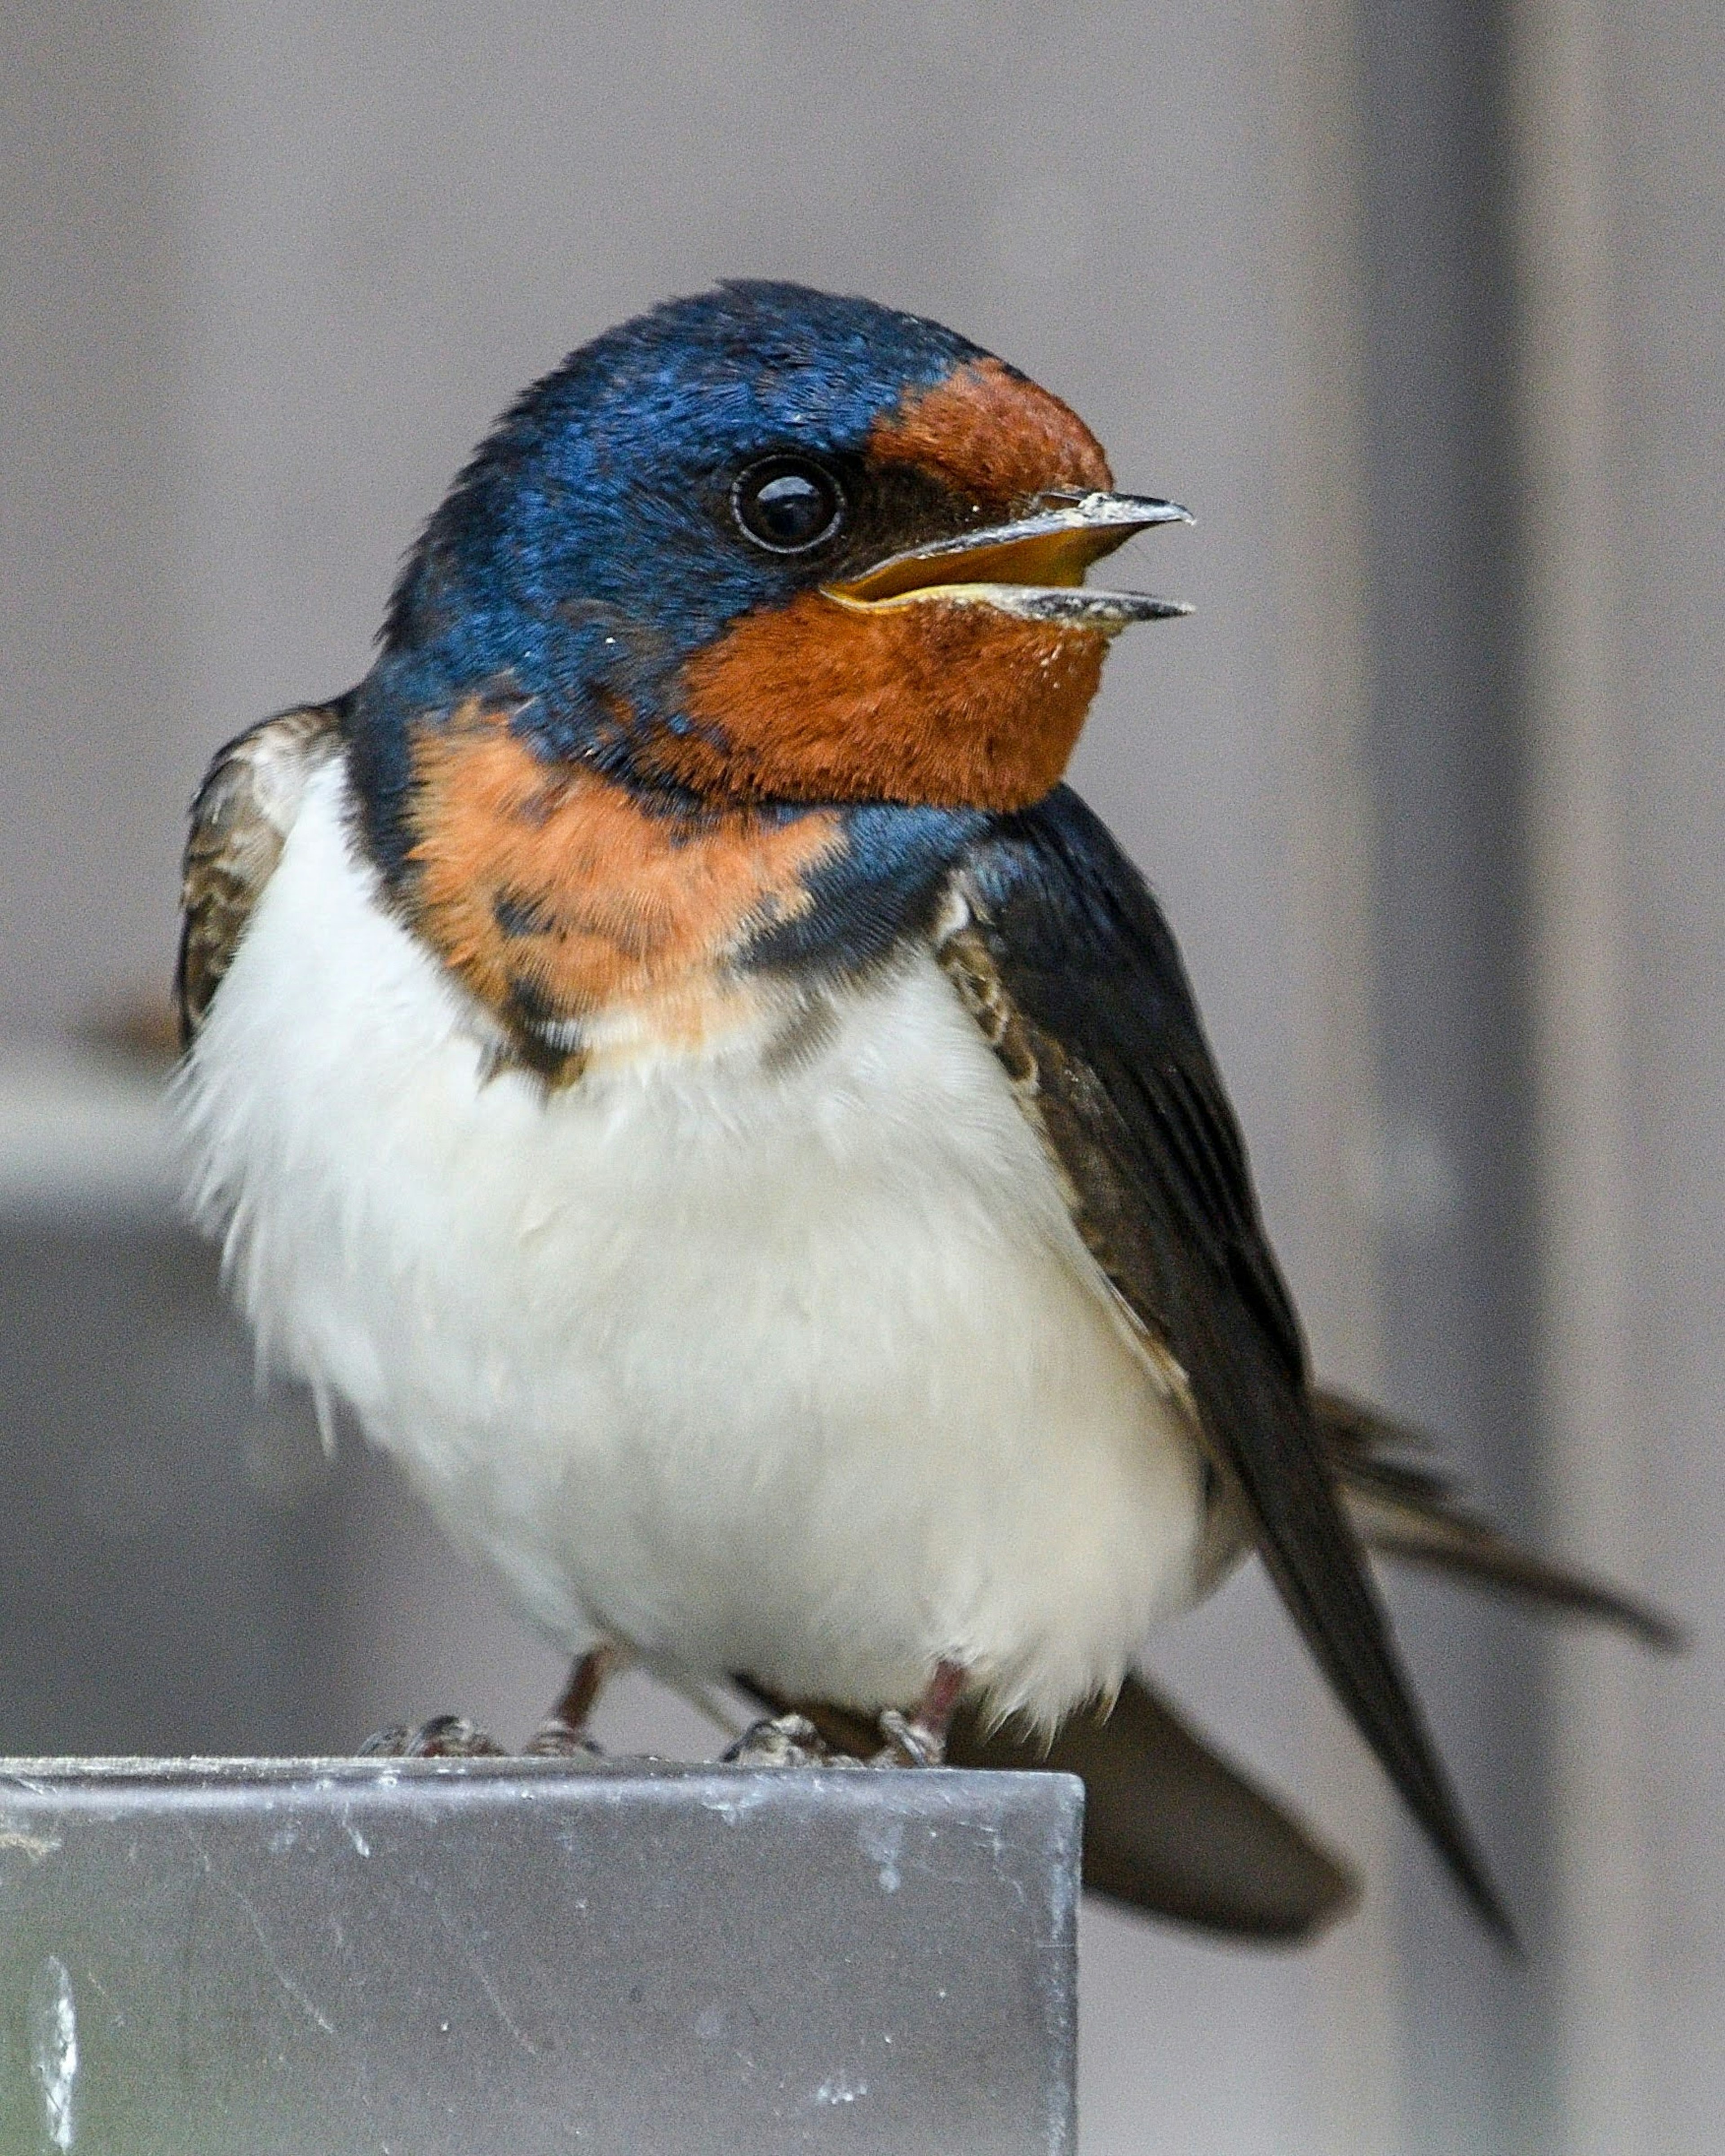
1320, 543
1575, 797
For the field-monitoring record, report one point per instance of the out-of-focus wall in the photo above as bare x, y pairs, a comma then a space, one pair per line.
269, 272
1619, 200
95, 729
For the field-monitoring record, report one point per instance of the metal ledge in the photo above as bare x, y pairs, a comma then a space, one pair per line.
273, 1958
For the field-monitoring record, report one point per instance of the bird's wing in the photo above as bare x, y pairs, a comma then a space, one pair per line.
1058, 950
1405, 1508
240, 819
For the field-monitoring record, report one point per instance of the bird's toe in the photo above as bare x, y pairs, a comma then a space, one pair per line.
909, 1743
785, 1740
444, 1737
557, 1739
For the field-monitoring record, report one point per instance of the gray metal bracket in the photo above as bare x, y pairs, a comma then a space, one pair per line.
314, 1957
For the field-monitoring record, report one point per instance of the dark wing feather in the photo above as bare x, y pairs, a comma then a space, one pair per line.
1074, 975
1405, 1509
240, 819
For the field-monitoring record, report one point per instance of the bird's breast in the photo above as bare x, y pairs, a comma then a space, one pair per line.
787, 1363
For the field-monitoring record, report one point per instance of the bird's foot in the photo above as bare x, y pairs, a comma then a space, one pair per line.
562, 1734
920, 1739
444, 1737
786, 1740
909, 1742
557, 1739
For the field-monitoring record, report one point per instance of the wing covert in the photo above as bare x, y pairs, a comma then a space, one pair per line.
240, 819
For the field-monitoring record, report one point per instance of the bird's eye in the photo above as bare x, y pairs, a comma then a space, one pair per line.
787, 505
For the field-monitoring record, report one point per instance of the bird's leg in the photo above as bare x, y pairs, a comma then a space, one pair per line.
562, 1734
920, 1739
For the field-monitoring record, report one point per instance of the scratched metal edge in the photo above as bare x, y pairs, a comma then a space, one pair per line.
109, 1787
952, 1786
1066, 1854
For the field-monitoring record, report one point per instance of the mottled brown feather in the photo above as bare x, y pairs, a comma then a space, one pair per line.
1051, 1086
240, 821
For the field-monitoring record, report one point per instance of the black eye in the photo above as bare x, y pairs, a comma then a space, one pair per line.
787, 505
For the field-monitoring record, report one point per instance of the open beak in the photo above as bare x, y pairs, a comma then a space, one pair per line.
1034, 567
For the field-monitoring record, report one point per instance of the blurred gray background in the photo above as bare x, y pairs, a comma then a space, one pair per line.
1417, 304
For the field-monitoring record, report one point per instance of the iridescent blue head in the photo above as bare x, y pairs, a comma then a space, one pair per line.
763, 544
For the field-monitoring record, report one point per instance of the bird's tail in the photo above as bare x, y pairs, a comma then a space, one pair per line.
1407, 1508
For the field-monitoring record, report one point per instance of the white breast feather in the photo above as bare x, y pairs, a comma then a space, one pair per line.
794, 1367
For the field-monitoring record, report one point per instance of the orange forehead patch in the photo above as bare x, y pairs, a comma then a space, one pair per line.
937, 701
559, 900
993, 435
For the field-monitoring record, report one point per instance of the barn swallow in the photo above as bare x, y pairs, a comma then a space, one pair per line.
669, 1053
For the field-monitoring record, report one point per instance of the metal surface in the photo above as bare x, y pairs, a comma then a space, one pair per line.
245, 1957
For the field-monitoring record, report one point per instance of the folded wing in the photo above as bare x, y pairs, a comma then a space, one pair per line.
240, 819
1062, 954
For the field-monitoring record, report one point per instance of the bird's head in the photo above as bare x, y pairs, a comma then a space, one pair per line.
766, 545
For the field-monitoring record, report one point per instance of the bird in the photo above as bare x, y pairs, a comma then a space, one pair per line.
669, 1056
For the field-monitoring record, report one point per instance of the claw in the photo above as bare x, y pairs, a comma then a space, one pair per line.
920, 1739
444, 1737
556, 1739
787, 1740
909, 1742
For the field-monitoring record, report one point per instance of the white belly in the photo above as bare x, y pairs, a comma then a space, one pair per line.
795, 1368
